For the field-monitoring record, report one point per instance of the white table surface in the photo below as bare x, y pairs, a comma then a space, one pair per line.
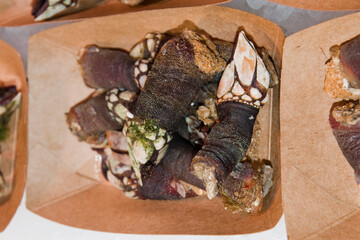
27, 225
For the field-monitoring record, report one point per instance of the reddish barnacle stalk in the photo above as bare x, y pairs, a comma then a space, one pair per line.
101, 111
242, 91
345, 122
114, 68
120, 68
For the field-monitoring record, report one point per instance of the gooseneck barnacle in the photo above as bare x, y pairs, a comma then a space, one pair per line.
159, 182
176, 76
125, 71
107, 110
241, 92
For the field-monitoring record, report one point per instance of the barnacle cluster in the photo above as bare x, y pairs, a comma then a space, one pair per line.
185, 107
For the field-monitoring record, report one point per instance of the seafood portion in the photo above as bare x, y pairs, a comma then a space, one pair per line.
242, 91
345, 122
342, 70
185, 63
177, 117
47, 9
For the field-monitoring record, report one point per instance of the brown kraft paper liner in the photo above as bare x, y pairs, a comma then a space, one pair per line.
321, 5
12, 73
18, 12
62, 185
320, 195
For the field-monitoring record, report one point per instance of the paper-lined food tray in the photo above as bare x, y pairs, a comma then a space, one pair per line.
322, 5
320, 195
62, 184
18, 12
14, 147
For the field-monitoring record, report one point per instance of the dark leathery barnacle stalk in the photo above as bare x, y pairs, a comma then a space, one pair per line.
184, 64
242, 91
177, 161
344, 120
